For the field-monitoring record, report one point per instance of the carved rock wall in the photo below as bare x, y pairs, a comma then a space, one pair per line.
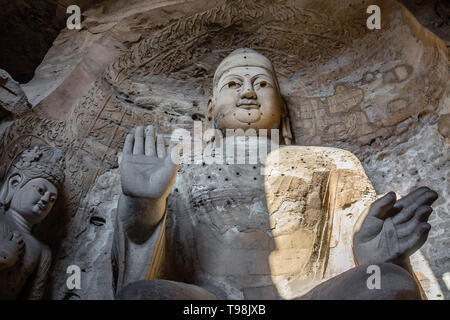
379, 94
28, 29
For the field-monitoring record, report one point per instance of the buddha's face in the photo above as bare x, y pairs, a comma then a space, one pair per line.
34, 200
246, 97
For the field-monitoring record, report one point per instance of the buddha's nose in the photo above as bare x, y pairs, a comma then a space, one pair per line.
247, 91
45, 198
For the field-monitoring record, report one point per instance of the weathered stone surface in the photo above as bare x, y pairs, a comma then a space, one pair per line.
379, 94
90, 239
411, 164
12, 97
315, 197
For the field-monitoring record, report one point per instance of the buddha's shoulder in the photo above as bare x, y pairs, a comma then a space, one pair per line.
313, 156
39, 248
314, 150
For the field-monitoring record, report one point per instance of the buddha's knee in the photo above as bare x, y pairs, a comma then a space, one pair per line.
384, 281
397, 283
163, 290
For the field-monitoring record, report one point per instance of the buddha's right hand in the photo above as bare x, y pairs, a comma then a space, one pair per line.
147, 170
11, 248
394, 229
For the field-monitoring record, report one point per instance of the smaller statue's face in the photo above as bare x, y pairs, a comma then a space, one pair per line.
34, 200
246, 97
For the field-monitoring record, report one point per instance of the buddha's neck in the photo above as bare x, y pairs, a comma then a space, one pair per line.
22, 224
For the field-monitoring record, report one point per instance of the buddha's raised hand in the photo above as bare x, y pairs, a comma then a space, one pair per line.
147, 170
393, 230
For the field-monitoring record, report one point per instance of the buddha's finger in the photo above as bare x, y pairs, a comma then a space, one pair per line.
173, 153
150, 141
380, 208
423, 213
128, 145
426, 198
420, 215
416, 239
411, 197
406, 229
139, 140
161, 148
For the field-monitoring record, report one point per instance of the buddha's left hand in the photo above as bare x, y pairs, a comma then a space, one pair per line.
393, 230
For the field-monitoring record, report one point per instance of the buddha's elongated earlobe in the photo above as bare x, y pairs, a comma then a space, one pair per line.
286, 130
285, 124
209, 109
209, 124
8, 189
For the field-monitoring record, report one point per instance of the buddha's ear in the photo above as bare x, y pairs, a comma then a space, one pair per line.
285, 125
209, 110
10, 186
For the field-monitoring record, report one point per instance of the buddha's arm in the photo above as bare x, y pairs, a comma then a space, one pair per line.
139, 217
147, 176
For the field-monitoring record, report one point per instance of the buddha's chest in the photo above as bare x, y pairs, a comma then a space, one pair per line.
221, 197
290, 228
224, 224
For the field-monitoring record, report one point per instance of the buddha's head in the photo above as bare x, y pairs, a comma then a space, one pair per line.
31, 185
246, 94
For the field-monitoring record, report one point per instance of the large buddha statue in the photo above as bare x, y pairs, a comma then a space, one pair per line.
27, 196
308, 227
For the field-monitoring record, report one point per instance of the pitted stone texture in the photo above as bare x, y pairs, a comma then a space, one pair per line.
88, 244
412, 164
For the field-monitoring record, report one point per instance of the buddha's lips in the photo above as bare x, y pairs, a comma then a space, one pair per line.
41, 206
248, 106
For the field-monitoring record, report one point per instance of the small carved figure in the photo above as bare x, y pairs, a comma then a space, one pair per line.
27, 196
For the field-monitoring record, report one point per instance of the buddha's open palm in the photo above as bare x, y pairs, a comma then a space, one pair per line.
146, 171
393, 230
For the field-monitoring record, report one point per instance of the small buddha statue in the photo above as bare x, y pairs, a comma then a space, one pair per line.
224, 231
27, 196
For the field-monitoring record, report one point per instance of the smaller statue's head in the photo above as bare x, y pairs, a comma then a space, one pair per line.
32, 181
246, 93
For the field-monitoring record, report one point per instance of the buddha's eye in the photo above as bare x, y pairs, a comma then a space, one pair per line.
52, 199
233, 85
41, 191
262, 84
